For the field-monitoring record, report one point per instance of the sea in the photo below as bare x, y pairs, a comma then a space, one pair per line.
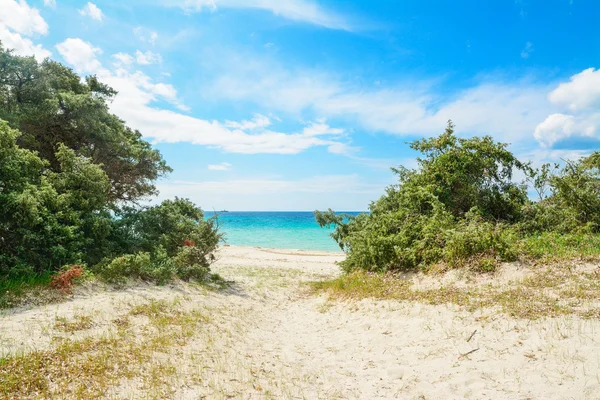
280, 230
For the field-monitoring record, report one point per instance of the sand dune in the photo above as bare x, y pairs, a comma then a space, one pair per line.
267, 337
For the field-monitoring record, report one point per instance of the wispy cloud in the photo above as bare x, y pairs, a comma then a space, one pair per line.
219, 167
347, 192
91, 10
508, 110
148, 57
296, 10
145, 35
138, 94
317, 184
527, 50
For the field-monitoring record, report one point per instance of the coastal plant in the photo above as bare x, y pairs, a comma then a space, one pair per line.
462, 207
63, 280
72, 175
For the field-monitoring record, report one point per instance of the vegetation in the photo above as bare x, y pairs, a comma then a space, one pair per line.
84, 368
462, 206
72, 175
548, 292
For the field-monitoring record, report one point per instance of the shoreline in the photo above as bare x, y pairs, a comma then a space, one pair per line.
283, 251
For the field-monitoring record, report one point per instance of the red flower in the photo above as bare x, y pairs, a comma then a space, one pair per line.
189, 243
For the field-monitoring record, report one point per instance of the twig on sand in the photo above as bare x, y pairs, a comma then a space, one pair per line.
472, 334
467, 353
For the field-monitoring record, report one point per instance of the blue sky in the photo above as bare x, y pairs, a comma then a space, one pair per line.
303, 105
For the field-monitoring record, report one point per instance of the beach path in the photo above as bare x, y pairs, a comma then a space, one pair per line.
268, 336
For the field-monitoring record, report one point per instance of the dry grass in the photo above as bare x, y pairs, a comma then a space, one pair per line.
79, 323
88, 368
548, 292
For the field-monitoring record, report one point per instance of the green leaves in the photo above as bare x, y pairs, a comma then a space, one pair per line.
52, 106
69, 178
461, 206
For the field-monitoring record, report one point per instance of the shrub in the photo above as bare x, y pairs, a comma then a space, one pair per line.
162, 242
63, 280
192, 263
157, 268
461, 207
479, 243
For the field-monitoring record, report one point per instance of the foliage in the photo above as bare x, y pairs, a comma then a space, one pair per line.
461, 206
71, 174
141, 265
51, 105
48, 217
172, 238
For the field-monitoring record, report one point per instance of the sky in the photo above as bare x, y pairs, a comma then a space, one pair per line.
306, 104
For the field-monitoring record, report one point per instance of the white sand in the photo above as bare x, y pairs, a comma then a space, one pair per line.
270, 339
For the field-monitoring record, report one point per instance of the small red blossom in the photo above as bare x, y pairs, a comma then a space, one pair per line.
189, 243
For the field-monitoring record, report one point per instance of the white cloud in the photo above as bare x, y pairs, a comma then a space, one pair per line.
91, 10
581, 92
321, 128
580, 100
259, 121
527, 50
137, 92
220, 167
145, 35
22, 46
141, 58
508, 111
20, 18
19, 22
554, 128
50, 3
124, 58
81, 55
147, 58
297, 10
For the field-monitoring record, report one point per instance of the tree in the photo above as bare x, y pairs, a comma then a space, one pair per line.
51, 105
48, 218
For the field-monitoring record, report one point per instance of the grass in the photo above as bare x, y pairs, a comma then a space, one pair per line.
14, 289
87, 368
551, 247
554, 289
549, 292
35, 290
79, 323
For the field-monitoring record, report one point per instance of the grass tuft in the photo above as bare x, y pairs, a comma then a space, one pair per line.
79, 323
88, 368
549, 292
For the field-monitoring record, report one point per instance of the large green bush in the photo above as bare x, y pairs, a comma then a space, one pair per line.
70, 171
172, 238
48, 218
461, 206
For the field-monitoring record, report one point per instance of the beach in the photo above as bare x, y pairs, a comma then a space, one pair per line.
267, 336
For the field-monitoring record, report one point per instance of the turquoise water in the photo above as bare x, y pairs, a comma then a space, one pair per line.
281, 230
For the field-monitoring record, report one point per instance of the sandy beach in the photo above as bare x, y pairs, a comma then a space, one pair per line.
267, 336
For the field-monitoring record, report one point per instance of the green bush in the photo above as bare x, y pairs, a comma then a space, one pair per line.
461, 207
480, 243
145, 266
69, 174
